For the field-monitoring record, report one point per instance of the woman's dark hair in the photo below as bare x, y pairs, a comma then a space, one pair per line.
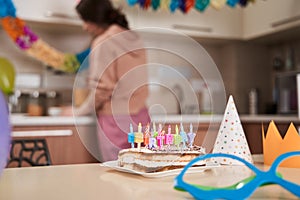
101, 12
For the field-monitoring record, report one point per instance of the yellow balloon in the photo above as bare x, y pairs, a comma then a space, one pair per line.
7, 76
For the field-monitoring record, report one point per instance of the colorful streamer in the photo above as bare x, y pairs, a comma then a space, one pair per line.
186, 5
34, 46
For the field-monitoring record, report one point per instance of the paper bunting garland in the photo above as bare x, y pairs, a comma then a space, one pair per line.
34, 46
186, 5
231, 137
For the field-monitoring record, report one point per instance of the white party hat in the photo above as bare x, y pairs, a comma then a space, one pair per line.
231, 137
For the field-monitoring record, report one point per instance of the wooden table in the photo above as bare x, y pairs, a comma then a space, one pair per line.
92, 181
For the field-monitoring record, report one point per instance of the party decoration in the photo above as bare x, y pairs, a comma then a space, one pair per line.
242, 189
7, 76
165, 4
243, 3
183, 135
160, 140
5, 130
217, 4
201, 5
34, 46
274, 145
155, 4
232, 3
231, 137
147, 135
177, 137
169, 137
186, 5
139, 136
191, 136
174, 5
130, 137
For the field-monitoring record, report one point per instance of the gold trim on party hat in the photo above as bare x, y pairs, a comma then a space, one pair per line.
274, 145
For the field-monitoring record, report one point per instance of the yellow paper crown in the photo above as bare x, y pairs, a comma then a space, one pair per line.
274, 145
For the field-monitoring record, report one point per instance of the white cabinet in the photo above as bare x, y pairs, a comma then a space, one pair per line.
257, 19
54, 11
225, 23
264, 17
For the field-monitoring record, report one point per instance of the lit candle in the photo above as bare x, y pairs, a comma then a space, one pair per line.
155, 133
191, 136
147, 136
138, 136
160, 139
152, 141
177, 137
184, 137
131, 136
169, 137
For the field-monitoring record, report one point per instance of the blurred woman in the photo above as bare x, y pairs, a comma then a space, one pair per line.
117, 76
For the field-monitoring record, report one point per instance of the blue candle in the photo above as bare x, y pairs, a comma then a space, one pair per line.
131, 136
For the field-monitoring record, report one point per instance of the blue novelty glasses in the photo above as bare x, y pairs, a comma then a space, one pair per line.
242, 189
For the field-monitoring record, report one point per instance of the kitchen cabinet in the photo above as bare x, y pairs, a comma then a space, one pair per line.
264, 17
64, 149
52, 11
225, 23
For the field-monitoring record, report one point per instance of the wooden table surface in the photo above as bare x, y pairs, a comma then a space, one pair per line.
92, 181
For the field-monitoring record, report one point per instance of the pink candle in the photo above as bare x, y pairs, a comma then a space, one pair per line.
147, 136
169, 137
160, 139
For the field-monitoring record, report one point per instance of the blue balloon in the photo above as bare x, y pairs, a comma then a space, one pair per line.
5, 131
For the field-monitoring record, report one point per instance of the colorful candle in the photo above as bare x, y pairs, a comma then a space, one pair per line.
147, 135
169, 137
177, 137
184, 137
155, 133
160, 139
131, 136
191, 136
152, 142
138, 136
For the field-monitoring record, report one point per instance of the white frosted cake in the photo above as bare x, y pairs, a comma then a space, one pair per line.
146, 160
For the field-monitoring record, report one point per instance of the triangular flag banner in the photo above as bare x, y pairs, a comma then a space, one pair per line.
231, 138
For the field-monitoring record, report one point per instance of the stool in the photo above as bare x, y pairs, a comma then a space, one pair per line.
29, 152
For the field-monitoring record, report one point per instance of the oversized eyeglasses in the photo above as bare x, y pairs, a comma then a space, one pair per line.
242, 189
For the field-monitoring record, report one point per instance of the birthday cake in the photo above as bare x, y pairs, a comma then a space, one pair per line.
161, 151
147, 160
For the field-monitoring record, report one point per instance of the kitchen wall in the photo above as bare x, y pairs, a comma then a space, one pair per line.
243, 64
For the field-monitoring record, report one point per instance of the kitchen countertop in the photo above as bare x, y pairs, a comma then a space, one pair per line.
23, 120
218, 118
